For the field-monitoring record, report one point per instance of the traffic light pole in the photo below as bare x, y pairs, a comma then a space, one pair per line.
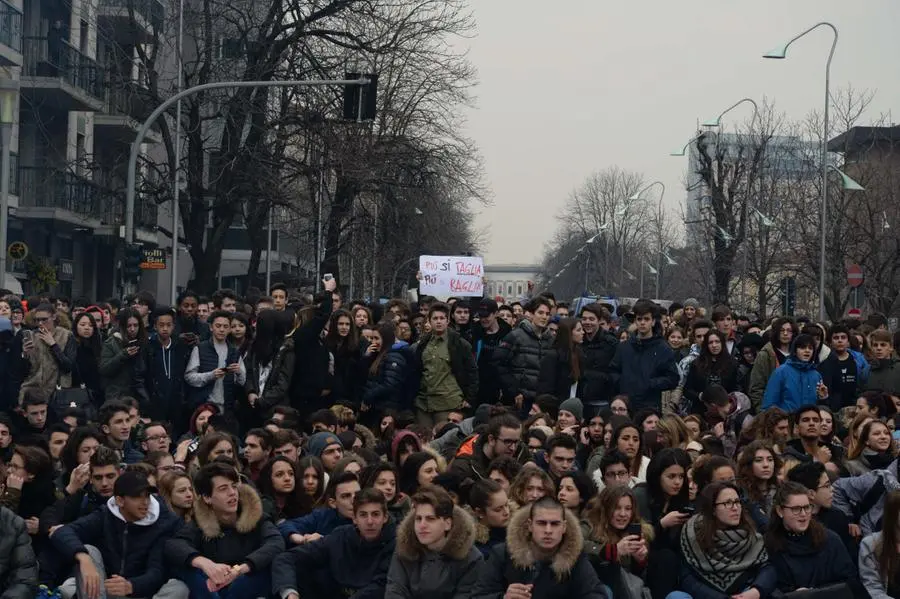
145, 127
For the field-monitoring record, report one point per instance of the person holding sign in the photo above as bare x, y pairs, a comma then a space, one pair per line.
449, 376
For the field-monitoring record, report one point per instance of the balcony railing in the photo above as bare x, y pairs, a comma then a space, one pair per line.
10, 26
151, 11
55, 57
52, 188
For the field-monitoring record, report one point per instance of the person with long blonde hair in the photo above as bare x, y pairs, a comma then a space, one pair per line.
177, 490
614, 530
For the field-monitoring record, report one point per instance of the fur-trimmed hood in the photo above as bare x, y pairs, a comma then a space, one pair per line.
250, 512
521, 552
366, 435
460, 539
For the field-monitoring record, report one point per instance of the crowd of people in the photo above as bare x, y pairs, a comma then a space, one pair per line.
297, 446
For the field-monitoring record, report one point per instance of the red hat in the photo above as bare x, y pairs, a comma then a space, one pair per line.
854, 312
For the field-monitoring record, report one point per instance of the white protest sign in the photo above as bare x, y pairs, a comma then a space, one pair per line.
446, 276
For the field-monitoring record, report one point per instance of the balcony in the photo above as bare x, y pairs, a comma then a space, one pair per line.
57, 76
115, 16
125, 111
10, 35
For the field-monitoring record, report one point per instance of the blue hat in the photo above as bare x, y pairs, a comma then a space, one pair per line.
319, 442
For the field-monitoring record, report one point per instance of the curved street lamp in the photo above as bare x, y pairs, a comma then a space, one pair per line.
779, 53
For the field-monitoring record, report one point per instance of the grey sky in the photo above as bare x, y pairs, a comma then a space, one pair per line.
573, 86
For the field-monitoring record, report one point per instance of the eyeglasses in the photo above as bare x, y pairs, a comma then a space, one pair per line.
157, 438
621, 474
509, 442
730, 504
799, 509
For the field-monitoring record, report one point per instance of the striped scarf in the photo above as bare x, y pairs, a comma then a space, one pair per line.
734, 553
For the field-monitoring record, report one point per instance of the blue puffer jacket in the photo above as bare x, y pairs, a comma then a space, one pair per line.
322, 521
792, 385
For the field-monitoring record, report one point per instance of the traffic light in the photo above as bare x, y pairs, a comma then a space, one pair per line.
364, 109
131, 268
788, 295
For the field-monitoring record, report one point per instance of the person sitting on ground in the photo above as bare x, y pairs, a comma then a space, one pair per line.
805, 554
542, 558
18, 566
119, 548
353, 560
322, 521
229, 547
435, 556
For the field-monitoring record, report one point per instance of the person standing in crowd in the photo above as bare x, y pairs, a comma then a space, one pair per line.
796, 382
885, 374
519, 355
353, 559
167, 362
229, 547
189, 327
599, 347
447, 369
461, 318
844, 371
773, 354
89, 347
48, 355
386, 369
435, 556
310, 386
723, 319
644, 366
215, 369
542, 558
342, 340
486, 338
714, 366
562, 368
123, 364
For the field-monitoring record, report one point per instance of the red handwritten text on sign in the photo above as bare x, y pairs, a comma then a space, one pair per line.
445, 276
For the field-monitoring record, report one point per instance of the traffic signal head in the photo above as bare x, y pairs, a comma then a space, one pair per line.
131, 267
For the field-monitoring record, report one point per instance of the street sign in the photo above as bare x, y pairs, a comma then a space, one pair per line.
855, 275
153, 259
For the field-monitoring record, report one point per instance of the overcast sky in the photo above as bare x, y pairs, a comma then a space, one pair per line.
573, 86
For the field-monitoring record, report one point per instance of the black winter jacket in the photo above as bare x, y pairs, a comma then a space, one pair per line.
18, 566
598, 354
643, 369
698, 379
484, 345
311, 376
555, 376
277, 388
132, 550
254, 539
799, 565
124, 375
340, 565
462, 362
165, 379
518, 360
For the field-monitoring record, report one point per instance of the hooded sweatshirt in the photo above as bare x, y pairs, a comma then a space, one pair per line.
132, 550
792, 385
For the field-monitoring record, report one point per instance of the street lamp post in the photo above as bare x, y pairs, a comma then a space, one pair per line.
9, 91
781, 52
145, 127
175, 187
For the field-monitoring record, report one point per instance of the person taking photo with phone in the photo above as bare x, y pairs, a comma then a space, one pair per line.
123, 364
47, 355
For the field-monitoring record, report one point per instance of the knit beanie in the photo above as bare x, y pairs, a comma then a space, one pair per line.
319, 442
691, 302
573, 405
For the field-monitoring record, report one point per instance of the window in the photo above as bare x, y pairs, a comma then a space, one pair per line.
519, 289
509, 289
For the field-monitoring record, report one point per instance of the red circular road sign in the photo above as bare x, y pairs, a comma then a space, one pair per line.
855, 275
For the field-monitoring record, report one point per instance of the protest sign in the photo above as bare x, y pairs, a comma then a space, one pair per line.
447, 276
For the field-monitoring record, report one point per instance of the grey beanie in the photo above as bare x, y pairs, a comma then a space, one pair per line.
691, 302
574, 405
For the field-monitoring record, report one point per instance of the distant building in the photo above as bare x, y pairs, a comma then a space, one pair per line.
786, 156
512, 282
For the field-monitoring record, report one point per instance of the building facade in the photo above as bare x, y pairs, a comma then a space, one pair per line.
511, 282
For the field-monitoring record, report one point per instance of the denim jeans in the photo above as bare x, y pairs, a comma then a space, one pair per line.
257, 584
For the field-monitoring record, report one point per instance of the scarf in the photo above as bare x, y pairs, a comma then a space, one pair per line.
877, 460
733, 554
